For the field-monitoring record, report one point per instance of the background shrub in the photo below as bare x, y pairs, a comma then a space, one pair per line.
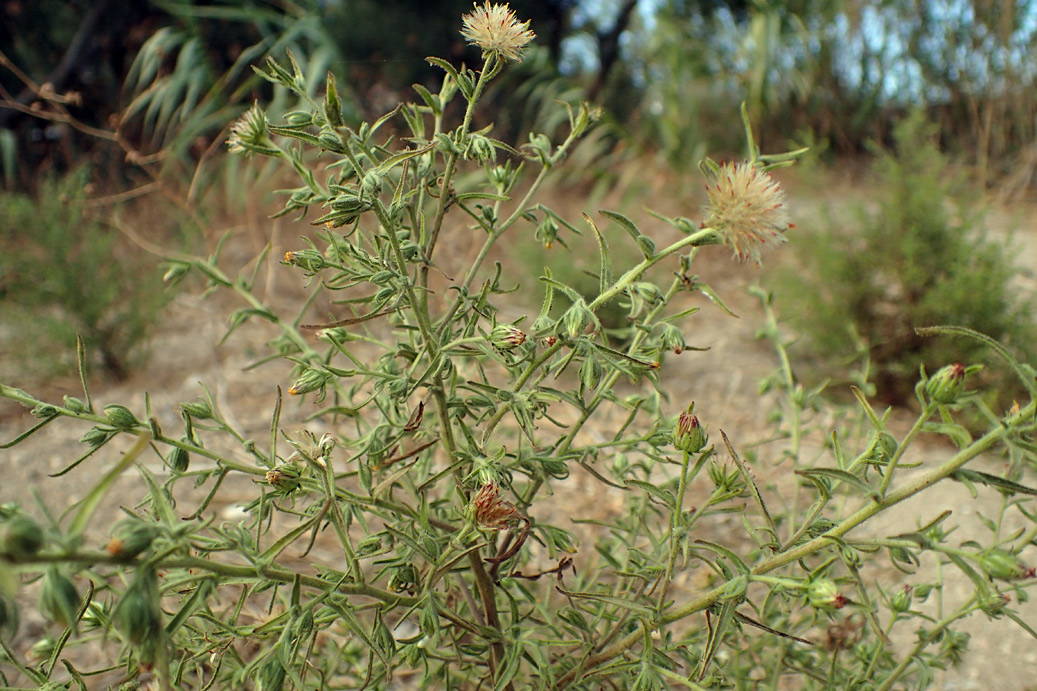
920, 256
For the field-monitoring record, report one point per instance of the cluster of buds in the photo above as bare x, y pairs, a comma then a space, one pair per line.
688, 435
308, 448
249, 135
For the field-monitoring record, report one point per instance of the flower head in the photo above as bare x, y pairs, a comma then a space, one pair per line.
490, 511
747, 208
495, 29
249, 135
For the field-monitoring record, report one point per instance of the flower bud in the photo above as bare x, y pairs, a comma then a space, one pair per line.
403, 577
546, 233
1004, 565
673, 339
688, 435
44, 411
75, 405
175, 271
590, 373
309, 260
130, 538
136, 616
8, 618
120, 417
284, 478
823, 594
20, 537
198, 409
947, 385
506, 337
332, 104
59, 599
179, 459
901, 601
312, 379
576, 319
95, 436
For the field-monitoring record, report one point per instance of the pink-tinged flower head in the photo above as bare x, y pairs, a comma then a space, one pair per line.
747, 209
490, 511
495, 29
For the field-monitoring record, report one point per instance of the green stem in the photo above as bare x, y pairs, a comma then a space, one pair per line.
908, 438
983, 444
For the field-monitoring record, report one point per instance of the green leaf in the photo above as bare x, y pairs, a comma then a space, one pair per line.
618, 602
605, 267
841, 476
1007, 486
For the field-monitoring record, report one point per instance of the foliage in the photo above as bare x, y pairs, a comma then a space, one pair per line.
438, 467
921, 257
61, 274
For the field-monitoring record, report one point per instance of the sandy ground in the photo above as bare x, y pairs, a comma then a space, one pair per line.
723, 382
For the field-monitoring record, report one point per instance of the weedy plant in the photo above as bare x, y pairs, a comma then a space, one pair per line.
450, 443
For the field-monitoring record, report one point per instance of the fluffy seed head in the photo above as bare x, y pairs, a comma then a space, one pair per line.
495, 29
747, 208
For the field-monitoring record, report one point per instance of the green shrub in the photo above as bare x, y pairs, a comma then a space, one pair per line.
420, 523
63, 273
919, 256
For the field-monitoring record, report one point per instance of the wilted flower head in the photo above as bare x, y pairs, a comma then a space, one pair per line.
747, 208
495, 29
489, 510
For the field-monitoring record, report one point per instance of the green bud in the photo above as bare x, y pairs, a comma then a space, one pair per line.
120, 417
673, 339
332, 104
42, 649
331, 141
8, 618
947, 385
688, 435
98, 615
95, 436
20, 537
372, 183
1004, 565
198, 409
299, 118
131, 537
823, 594
547, 232
901, 601
381, 278
991, 602
312, 379
506, 337
74, 404
175, 271
44, 411
138, 616
284, 478
372, 544
59, 599
590, 373
403, 577
179, 459
576, 319
309, 260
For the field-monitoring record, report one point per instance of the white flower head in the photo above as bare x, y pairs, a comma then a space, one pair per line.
747, 209
495, 29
